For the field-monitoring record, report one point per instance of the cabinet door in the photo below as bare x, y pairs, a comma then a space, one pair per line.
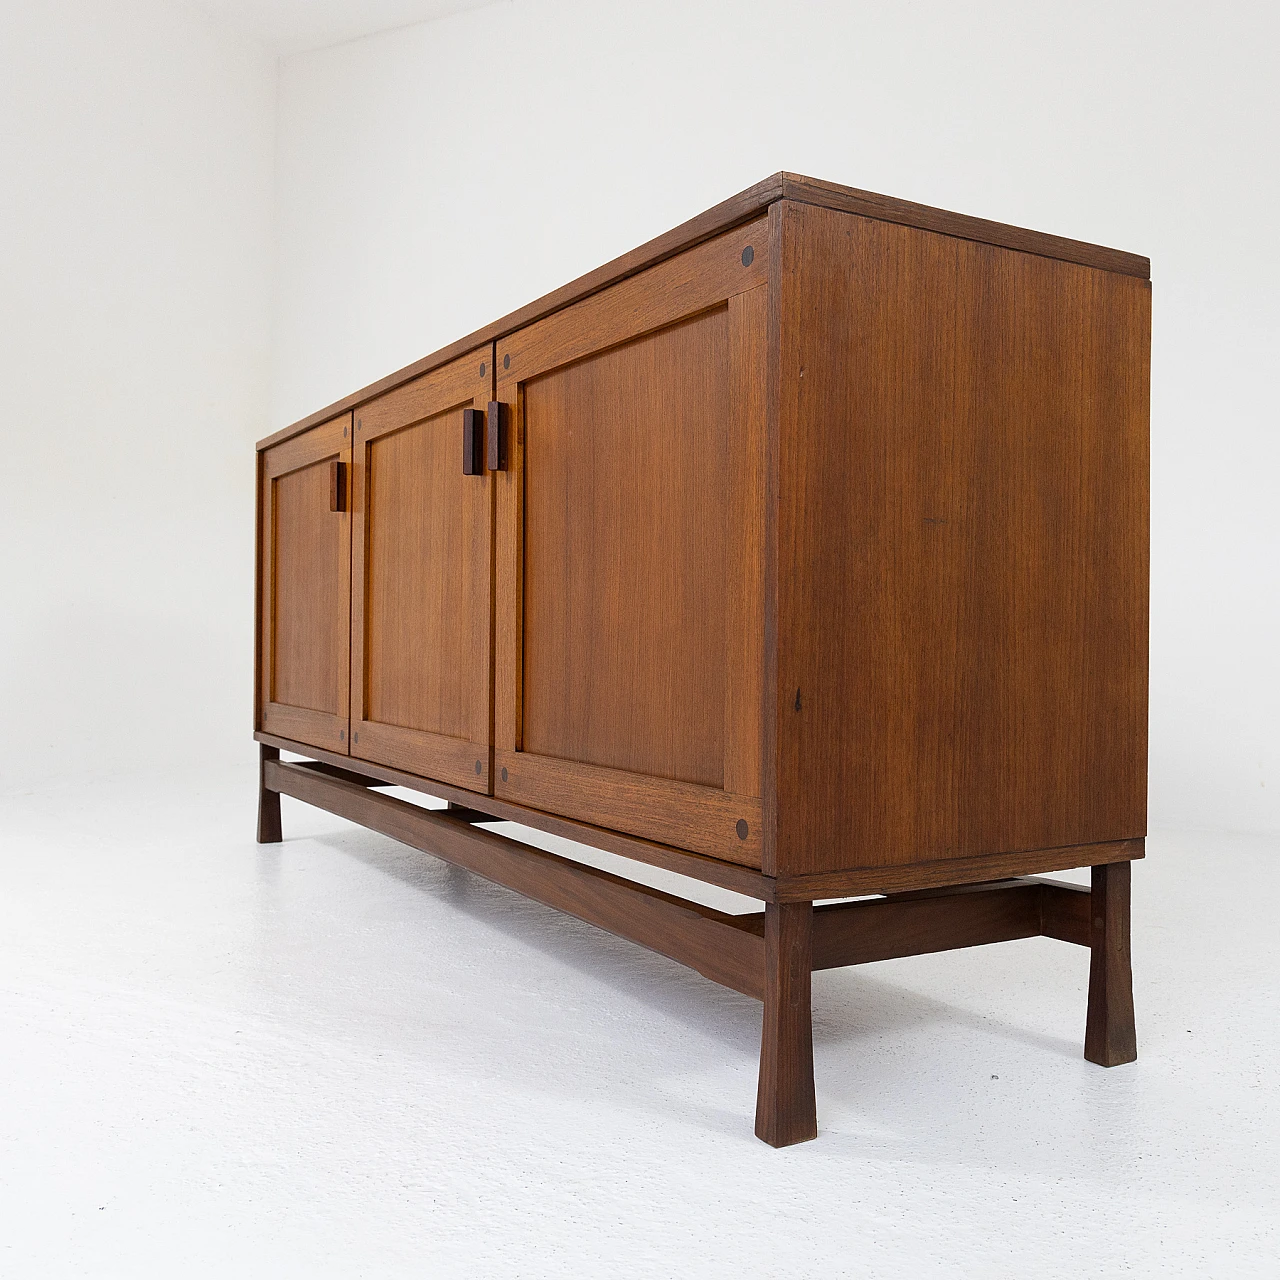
304, 574
630, 584
422, 579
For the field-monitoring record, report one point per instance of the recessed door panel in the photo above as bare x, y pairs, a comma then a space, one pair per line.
624, 556
422, 580
417, 610
305, 581
630, 617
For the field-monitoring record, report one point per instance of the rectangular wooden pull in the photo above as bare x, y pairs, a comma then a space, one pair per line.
497, 436
472, 442
337, 485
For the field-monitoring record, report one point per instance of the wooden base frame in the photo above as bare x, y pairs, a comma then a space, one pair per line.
268, 800
772, 954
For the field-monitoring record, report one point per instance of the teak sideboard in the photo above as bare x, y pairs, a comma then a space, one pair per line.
802, 550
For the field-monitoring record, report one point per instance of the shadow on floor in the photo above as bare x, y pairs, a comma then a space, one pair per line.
851, 1006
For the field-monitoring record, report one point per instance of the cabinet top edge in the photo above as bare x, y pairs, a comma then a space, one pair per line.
869, 204
723, 217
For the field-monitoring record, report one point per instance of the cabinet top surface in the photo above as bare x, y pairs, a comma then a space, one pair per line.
746, 204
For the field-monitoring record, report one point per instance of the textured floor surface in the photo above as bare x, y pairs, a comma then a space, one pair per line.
337, 1057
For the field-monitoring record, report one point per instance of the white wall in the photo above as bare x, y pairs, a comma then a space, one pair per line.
136, 158
437, 176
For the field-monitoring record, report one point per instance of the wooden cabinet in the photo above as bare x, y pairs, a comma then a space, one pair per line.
803, 550
811, 538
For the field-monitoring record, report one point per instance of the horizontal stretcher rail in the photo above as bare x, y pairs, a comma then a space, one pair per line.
717, 945
948, 919
728, 949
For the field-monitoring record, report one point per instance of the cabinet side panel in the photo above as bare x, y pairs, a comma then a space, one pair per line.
962, 548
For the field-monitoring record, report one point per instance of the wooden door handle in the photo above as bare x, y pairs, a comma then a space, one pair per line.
337, 485
472, 441
497, 436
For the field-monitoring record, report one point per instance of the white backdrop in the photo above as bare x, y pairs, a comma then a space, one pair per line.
436, 177
136, 150
166, 185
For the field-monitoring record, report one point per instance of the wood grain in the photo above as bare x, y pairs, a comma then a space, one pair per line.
744, 880
1110, 1038
696, 281
1064, 912
421, 580
745, 430
962, 548
268, 800
304, 576
704, 939
261, 544
905, 877
628, 636
869, 204
309, 590
769, 568
703, 819
625, 556
417, 612
300, 724
886, 929
336, 771
786, 1107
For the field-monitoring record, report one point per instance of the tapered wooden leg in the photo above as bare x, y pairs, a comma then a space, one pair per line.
1109, 1037
786, 1111
268, 801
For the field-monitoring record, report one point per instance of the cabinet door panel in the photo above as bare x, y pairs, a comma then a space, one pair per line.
305, 579
422, 581
629, 632
624, 559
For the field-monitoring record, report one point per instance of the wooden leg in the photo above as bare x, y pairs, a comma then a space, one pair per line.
786, 1111
1109, 1037
268, 801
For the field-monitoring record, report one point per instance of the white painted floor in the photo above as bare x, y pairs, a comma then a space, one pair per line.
337, 1057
